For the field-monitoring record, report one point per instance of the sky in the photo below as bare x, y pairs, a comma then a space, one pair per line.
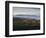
26, 11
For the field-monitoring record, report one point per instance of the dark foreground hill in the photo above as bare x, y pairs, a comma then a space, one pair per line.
25, 24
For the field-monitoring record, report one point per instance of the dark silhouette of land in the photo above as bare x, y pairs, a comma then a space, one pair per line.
25, 24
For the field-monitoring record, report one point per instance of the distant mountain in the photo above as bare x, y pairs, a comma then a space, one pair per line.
28, 17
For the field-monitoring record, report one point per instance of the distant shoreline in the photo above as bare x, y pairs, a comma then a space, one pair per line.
27, 17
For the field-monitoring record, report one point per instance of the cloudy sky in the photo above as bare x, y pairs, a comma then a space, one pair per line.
26, 11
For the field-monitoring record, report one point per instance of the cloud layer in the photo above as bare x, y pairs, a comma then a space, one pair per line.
26, 11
